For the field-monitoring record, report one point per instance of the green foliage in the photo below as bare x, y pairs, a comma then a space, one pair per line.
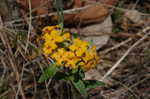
48, 73
58, 4
83, 86
62, 76
75, 35
90, 43
93, 84
75, 76
80, 86
117, 15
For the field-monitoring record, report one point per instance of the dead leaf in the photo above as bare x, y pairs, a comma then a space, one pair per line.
34, 4
98, 29
109, 2
99, 41
98, 33
77, 3
93, 14
106, 2
134, 16
132, 19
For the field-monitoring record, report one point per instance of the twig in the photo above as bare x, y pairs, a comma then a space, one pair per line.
134, 6
128, 89
10, 56
20, 82
35, 81
70, 11
116, 46
30, 26
134, 85
5, 67
126, 53
48, 93
138, 35
50, 14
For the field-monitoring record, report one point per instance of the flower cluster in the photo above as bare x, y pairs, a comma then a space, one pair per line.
73, 54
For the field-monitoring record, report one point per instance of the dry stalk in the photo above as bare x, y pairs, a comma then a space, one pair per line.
10, 56
69, 11
30, 26
127, 52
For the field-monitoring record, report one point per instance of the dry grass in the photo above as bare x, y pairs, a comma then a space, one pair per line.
21, 64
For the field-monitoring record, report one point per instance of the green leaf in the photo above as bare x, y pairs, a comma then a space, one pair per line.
48, 73
58, 4
63, 76
75, 35
90, 43
93, 84
81, 73
74, 70
79, 85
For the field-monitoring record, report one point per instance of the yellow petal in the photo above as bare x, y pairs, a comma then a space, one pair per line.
49, 28
59, 39
72, 47
66, 36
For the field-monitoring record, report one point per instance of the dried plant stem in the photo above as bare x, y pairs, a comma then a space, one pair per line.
127, 52
48, 93
116, 46
30, 26
70, 11
10, 56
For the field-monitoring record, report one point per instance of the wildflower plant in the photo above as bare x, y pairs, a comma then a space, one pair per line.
70, 58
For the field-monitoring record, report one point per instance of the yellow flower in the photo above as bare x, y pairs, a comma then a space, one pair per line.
49, 28
56, 56
93, 48
51, 44
49, 47
61, 51
54, 33
79, 46
87, 57
60, 62
80, 43
69, 54
59, 56
66, 36
58, 39
46, 37
89, 65
81, 64
73, 47
72, 63
79, 53
47, 51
